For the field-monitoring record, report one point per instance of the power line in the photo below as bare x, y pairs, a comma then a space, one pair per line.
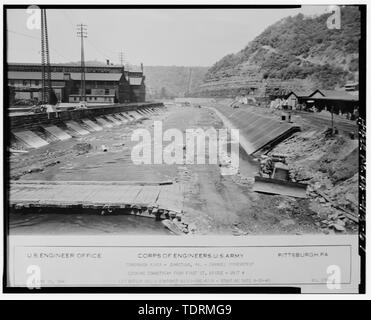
104, 54
99, 50
22, 34
70, 21
68, 18
36, 38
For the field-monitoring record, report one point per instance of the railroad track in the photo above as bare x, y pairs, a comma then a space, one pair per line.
321, 120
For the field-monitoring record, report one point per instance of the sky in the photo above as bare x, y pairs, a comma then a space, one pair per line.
154, 37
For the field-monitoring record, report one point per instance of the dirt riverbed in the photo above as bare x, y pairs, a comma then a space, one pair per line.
213, 204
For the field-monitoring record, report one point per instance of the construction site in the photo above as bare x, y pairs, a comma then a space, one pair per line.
71, 169
76, 175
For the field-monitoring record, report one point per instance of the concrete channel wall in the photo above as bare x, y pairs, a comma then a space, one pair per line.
257, 132
33, 121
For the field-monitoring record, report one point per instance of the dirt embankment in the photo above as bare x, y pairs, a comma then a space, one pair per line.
329, 164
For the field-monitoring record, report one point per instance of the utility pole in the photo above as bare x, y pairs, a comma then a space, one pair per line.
47, 94
82, 33
43, 93
121, 57
48, 73
46, 82
189, 82
332, 120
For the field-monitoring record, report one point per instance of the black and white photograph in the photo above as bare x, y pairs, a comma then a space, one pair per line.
211, 130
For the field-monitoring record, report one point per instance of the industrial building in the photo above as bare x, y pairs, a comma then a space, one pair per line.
339, 101
104, 84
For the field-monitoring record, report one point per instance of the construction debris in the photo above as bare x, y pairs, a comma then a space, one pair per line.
329, 165
274, 178
82, 147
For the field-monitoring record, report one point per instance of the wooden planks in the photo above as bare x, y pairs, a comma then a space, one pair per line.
164, 196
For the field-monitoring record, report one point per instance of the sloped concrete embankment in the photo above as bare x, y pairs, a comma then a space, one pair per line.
37, 130
32, 121
257, 132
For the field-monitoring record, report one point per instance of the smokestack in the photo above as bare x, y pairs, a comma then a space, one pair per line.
141, 66
107, 60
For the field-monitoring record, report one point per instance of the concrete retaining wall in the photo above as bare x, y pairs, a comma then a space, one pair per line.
33, 121
257, 132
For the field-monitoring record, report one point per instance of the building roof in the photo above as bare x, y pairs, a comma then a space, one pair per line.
336, 95
64, 65
94, 95
300, 94
23, 75
97, 76
135, 81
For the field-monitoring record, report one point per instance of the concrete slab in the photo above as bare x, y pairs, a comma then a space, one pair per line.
92, 125
104, 123
30, 138
113, 120
73, 125
256, 131
142, 113
97, 194
57, 132
121, 118
135, 115
126, 116
129, 116
147, 111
